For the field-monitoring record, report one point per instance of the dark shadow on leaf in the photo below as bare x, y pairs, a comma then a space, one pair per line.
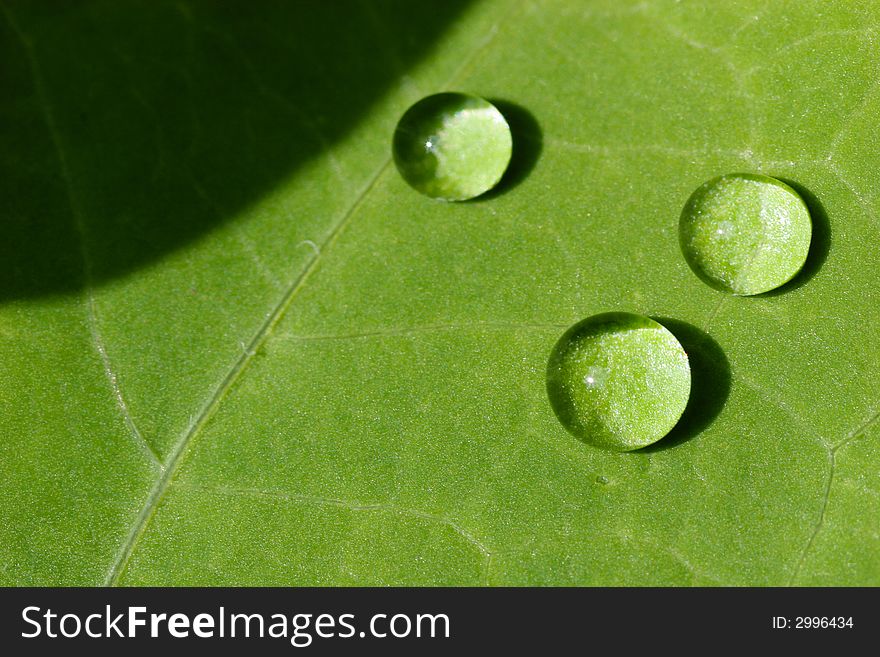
142, 126
820, 241
710, 383
527, 146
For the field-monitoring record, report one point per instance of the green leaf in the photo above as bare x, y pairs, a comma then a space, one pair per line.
239, 349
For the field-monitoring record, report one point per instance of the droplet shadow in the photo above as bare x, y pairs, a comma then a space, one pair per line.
710, 383
820, 241
528, 142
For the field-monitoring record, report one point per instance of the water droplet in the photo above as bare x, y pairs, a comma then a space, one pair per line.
600, 479
641, 381
452, 146
745, 233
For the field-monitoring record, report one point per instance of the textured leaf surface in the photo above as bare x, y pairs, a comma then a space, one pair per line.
239, 349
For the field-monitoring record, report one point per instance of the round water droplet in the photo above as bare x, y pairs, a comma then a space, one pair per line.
745, 233
452, 146
619, 381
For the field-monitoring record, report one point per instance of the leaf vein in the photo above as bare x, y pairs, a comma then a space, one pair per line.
351, 505
859, 431
860, 198
865, 31
820, 522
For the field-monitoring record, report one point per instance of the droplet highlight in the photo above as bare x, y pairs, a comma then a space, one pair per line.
452, 146
745, 233
619, 381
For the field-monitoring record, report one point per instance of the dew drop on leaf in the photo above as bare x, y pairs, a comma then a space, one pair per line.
618, 381
452, 146
745, 233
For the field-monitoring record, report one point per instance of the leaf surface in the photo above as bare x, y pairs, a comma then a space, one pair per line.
239, 349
